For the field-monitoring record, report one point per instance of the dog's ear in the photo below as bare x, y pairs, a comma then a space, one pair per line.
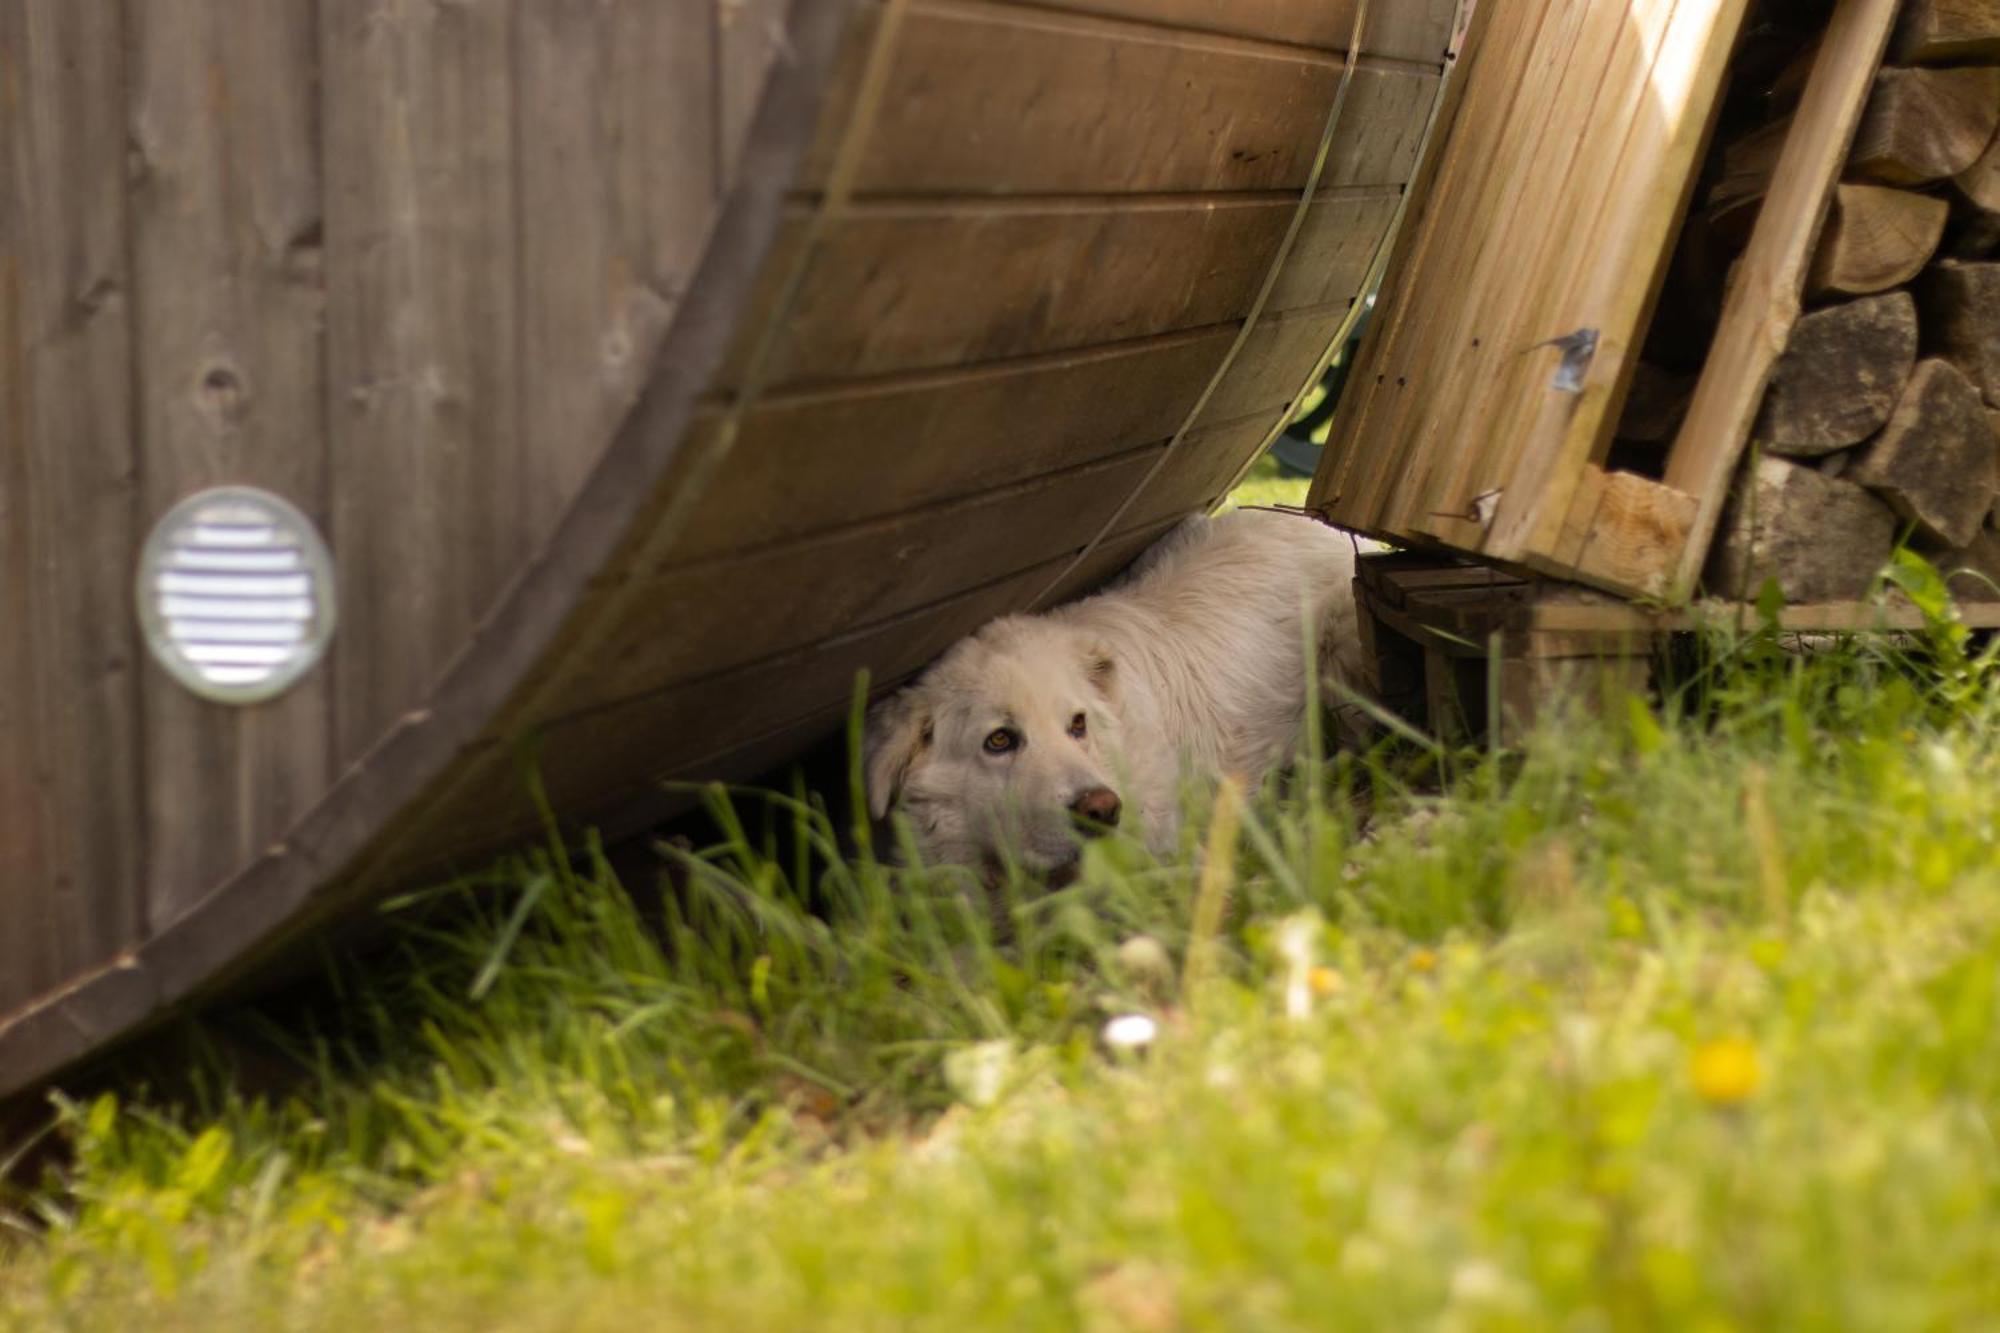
1102, 668
898, 729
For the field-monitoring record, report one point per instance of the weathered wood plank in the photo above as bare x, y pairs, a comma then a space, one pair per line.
1646, 183
226, 228
71, 835
1408, 30
1106, 562
934, 436
902, 288
1092, 106
1763, 302
931, 437
1496, 139
1336, 247
1346, 476
592, 759
618, 185
1207, 460
1621, 530
1592, 114
725, 612
749, 36
429, 472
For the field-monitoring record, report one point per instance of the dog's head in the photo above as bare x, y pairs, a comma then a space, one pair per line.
1002, 748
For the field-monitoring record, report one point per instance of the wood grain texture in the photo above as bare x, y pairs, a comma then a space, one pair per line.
1568, 163
1935, 462
1875, 238
1925, 124
931, 437
328, 863
429, 471
226, 242
1107, 561
1948, 30
595, 759
1980, 182
1377, 434
618, 166
1200, 473
749, 40
71, 829
905, 288
1840, 376
1408, 29
1763, 302
710, 616
1647, 182
1626, 529
1961, 312
514, 194
1092, 106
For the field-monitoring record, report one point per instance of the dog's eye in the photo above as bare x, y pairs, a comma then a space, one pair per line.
1077, 727
1001, 741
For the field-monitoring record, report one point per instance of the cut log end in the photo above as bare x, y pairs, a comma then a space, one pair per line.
1876, 238
1974, 233
1935, 462
1926, 124
1980, 182
1840, 377
1961, 305
1820, 538
1948, 31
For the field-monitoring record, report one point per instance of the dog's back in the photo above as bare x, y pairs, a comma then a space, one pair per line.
1220, 619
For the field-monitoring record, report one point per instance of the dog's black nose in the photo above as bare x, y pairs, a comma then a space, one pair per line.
1099, 805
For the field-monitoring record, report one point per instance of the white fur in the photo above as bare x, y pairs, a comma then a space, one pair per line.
1194, 665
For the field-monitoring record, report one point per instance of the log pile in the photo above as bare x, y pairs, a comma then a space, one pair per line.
1882, 419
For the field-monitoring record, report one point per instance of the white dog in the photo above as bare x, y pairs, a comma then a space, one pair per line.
1194, 665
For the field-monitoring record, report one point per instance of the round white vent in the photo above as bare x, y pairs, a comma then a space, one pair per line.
235, 594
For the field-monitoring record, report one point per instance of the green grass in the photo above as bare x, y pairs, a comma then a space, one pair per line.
1686, 1021
1264, 484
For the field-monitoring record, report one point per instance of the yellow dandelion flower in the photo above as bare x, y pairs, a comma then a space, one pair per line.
1725, 1070
1324, 981
1424, 960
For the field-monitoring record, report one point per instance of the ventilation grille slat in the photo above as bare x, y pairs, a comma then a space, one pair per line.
235, 593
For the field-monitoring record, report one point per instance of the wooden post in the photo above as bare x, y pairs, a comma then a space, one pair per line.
1763, 304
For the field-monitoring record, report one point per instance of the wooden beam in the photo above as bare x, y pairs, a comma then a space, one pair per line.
1763, 304
1622, 532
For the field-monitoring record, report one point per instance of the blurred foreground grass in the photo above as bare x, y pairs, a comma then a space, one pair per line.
1690, 1022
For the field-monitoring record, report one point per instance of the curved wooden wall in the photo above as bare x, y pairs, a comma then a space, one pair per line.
643, 399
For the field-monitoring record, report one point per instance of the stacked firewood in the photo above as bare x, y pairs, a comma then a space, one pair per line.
1882, 419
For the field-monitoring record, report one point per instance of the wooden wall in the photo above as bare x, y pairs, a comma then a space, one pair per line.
628, 460
406, 264
1025, 341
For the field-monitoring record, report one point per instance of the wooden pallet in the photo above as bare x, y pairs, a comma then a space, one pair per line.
1480, 415
1454, 646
